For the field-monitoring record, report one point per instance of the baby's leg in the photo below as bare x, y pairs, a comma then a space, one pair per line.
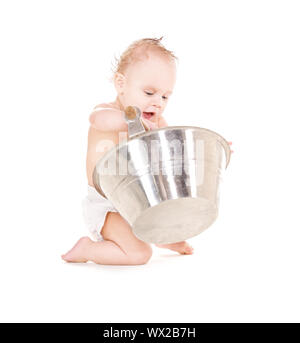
120, 245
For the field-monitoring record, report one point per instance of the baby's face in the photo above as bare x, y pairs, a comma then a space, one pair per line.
148, 84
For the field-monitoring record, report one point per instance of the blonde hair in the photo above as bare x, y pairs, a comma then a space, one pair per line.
137, 51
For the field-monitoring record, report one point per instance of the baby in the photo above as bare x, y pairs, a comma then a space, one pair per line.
145, 77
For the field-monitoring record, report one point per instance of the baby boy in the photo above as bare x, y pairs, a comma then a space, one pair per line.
145, 77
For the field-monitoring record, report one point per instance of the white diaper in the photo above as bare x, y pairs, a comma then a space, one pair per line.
95, 208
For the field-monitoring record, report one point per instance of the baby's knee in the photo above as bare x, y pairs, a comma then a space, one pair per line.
141, 255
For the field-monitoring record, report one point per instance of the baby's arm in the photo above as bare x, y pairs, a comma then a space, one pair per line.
108, 119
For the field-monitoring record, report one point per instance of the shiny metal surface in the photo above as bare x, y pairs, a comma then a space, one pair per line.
165, 182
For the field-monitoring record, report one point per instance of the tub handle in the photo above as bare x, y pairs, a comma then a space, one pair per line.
134, 122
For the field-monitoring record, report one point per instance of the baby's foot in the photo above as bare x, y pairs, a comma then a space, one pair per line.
182, 247
78, 252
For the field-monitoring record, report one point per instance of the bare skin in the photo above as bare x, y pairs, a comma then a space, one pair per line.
120, 246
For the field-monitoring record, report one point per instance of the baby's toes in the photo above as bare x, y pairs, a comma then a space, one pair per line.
188, 250
184, 248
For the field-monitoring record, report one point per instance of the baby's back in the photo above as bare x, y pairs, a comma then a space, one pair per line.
99, 142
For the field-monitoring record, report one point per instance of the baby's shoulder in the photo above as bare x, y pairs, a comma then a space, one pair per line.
105, 105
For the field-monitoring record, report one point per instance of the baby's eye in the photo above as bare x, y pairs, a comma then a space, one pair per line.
148, 93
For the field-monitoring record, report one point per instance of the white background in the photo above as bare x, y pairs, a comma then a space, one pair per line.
238, 75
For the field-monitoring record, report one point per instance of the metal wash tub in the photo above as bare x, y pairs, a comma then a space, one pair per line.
164, 182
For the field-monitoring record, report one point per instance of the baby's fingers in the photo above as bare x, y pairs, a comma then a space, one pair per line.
149, 124
230, 143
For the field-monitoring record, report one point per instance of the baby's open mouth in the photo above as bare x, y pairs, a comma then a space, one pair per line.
148, 115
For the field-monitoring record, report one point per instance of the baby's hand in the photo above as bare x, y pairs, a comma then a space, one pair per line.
230, 143
149, 125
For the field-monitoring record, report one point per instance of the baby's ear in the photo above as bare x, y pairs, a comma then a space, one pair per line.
119, 81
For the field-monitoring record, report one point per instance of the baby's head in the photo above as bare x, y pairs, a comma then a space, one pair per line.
145, 76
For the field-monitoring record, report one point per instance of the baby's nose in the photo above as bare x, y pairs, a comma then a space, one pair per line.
157, 101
